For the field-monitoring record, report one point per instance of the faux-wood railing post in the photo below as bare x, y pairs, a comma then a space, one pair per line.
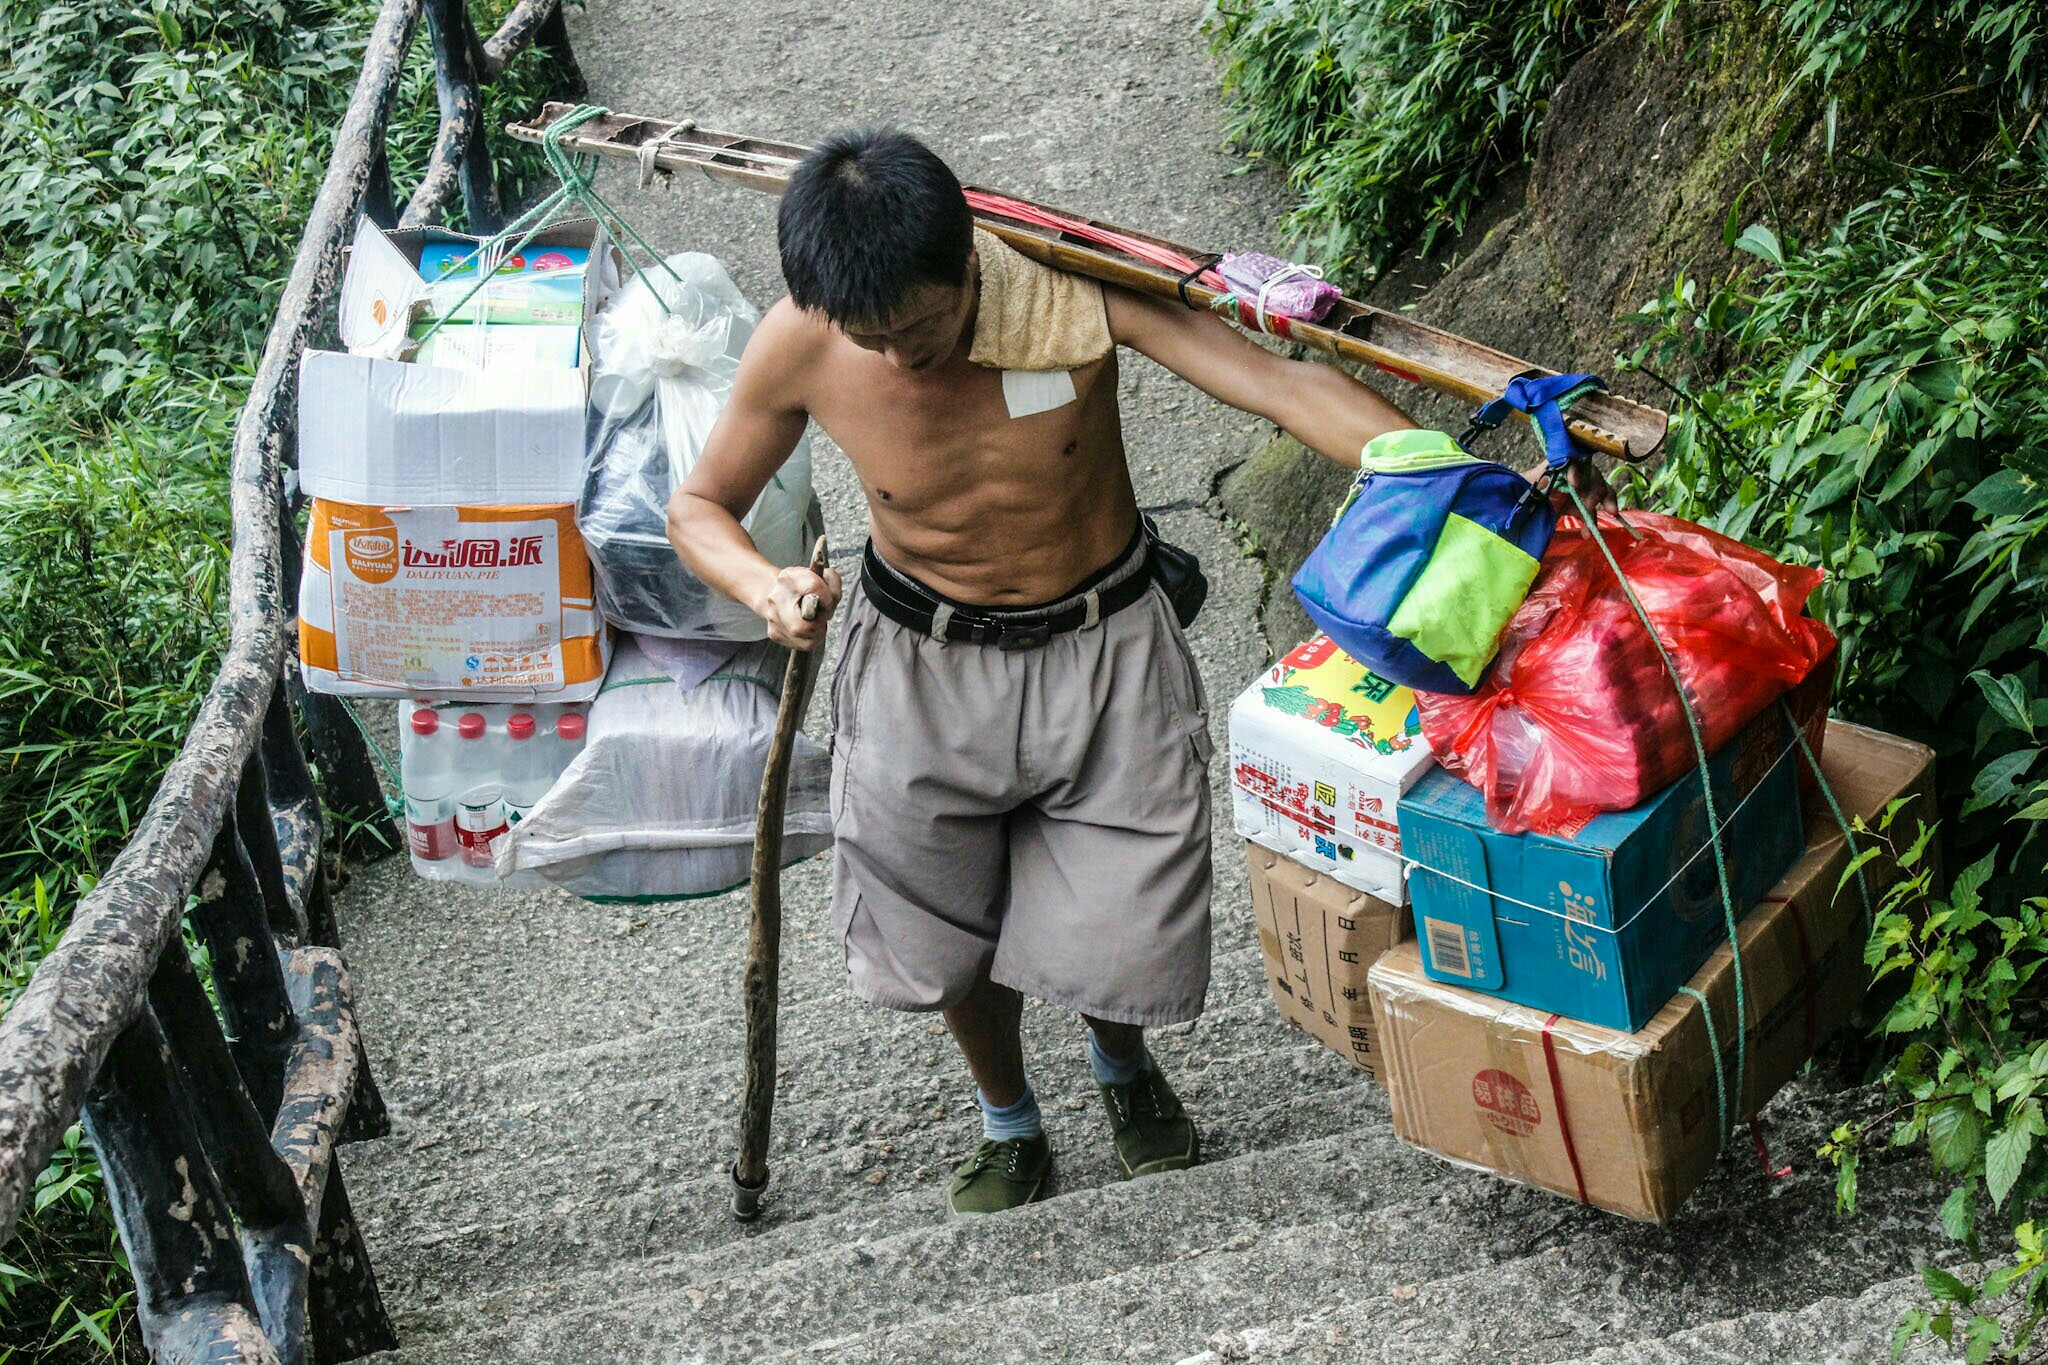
192, 1291
276, 1235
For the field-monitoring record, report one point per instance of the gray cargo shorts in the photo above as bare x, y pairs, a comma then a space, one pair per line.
1039, 816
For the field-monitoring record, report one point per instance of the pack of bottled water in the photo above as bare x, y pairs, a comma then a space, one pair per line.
472, 771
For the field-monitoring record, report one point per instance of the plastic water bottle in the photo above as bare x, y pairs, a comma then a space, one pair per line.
568, 739
480, 809
426, 771
527, 766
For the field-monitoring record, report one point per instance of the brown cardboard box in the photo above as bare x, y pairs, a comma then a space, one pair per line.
1319, 937
1630, 1122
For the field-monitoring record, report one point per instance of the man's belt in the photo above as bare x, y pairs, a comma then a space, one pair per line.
909, 603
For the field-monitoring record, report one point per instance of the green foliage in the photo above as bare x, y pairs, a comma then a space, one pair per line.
157, 158
1929, 45
1969, 1081
1885, 418
1393, 117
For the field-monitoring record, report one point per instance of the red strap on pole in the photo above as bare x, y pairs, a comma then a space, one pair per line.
985, 202
1564, 1123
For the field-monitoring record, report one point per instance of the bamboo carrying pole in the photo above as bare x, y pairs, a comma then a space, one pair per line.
1391, 343
761, 988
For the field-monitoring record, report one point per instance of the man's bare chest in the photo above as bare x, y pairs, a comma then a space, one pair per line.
914, 441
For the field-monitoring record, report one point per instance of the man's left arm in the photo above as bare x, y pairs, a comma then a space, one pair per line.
1318, 405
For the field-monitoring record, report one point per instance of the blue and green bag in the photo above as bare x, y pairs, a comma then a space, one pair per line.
1434, 549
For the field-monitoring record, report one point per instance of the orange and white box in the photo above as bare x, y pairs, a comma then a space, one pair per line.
493, 603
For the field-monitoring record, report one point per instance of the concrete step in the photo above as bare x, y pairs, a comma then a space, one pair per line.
1365, 1249
1744, 1243
823, 1035
436, 1247
1479, 1273
742, 1303
1851, 1330
455, 981
861, 1111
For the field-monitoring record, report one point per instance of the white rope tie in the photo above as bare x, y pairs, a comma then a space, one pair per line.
647, 151
942, 616
1281, 276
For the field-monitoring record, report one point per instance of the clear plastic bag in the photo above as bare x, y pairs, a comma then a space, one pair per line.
1577, 714
660, 380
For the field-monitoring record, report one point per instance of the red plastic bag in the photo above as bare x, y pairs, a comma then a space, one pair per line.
1578, 715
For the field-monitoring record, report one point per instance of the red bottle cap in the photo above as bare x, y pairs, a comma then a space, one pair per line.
520, 726
424, 721
569, 726
471, 726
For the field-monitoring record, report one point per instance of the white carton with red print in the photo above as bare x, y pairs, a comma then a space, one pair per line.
1321, 749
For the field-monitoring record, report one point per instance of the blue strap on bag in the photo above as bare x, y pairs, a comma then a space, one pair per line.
1434, 550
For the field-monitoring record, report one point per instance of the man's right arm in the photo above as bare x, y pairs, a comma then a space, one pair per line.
759, 427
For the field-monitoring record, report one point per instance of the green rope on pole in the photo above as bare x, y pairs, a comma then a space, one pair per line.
1699, 746
1835, 808
1714, 1046
578, 175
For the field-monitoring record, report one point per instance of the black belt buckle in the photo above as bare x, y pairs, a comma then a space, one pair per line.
1010, 639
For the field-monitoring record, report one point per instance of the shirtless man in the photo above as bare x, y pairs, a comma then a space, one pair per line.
1020, 753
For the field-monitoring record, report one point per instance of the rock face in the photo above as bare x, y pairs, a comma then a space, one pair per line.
564, 1078
1650, 145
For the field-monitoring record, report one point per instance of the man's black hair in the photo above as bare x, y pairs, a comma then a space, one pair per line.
869, 216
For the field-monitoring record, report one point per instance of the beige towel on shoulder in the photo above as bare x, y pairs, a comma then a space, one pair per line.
1033, 317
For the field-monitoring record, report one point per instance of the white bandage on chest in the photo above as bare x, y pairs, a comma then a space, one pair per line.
1026, 392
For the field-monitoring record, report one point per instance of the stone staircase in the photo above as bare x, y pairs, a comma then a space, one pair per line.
564, 1077
566, 1201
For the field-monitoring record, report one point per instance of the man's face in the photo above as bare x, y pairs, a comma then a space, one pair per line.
925, 329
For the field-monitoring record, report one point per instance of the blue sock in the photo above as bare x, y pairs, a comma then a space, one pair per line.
1116, 1071
1019, 1120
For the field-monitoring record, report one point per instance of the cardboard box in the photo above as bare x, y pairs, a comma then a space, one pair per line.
377, 429
1321, 750
493, 603
1603, 924
1319, 937
1629, 1122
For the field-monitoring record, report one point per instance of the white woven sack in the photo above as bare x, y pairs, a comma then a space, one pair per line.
660, 805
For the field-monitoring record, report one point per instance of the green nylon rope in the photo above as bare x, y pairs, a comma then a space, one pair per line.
578, 185
1835, 808
394, 804
1699, 745
1714, 1046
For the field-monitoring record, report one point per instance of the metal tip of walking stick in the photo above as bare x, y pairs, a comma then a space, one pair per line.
746, 1199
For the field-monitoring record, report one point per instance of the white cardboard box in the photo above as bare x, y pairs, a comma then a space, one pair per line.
442, 555
376, 429
1321, 750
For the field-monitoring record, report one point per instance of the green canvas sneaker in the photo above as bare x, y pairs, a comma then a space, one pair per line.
1153, 1133
1000, 1175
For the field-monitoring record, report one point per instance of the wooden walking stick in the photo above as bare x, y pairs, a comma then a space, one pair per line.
761, 987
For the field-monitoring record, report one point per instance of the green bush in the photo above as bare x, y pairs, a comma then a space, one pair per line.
157, 159
1886, 417
1393, 118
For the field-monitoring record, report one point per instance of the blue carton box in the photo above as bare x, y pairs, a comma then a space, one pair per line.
1606, 924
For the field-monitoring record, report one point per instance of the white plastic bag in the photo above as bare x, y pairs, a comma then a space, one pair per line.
660, 804
660, 381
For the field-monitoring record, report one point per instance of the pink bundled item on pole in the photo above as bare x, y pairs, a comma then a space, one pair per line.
1278, 288
1578, 714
